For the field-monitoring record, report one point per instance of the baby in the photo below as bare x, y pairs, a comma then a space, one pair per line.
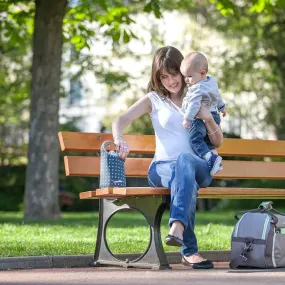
202, 89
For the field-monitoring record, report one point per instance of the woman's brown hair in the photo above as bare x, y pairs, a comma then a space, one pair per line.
169, 59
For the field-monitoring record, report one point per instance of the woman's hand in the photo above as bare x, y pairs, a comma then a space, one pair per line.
122, 147
214, 131
224, 113
204, 113
186, 124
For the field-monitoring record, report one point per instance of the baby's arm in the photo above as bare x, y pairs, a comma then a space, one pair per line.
191, 111
193, 106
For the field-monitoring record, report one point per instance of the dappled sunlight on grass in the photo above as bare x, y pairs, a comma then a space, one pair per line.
76, 233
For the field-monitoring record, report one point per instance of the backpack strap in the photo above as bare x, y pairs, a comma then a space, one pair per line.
277, 212
267, 207
258, 210
264, 207
244, 254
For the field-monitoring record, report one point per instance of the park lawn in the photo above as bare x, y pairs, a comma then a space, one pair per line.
76, 233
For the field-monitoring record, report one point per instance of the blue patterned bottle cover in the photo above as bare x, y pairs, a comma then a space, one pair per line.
112, 168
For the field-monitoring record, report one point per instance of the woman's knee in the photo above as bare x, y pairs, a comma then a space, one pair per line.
154, 180
186, 158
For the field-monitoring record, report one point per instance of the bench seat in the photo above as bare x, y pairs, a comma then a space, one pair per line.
210, 193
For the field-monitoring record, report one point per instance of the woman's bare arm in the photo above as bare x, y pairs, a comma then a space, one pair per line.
141, 107
213, 129
214, 132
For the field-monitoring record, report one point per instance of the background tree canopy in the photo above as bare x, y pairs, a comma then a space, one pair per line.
256, 62
252, 61
36, 35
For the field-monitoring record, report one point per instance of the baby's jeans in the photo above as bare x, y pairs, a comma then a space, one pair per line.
198, 137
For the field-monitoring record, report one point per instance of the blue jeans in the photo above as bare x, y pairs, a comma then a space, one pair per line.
184, 177
198, 137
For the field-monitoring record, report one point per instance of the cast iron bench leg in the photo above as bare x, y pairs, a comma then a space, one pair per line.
152, 209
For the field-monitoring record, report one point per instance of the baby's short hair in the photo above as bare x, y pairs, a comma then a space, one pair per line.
197, 61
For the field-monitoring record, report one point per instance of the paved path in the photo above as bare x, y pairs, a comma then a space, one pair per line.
179, 275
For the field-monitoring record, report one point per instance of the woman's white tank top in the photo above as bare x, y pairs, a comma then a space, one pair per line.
171, 137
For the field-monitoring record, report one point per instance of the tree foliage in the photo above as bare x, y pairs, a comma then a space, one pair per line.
254, 61
84, 21
256, 64
15, 40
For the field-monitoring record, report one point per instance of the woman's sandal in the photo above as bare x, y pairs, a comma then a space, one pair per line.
173, 241
206, 264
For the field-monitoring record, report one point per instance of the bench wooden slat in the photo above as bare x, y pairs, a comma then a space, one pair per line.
145, 144
211, 192
129, 191
252, 148
90, 166
91, 142
138, 167
241, 193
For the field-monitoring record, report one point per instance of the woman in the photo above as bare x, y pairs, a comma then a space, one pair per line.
174, 164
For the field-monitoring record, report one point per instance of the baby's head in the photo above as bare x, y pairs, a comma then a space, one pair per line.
194, 67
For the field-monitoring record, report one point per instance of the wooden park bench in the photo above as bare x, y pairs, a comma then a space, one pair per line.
151, 202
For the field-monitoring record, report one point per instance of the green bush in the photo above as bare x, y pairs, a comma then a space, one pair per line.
12, 185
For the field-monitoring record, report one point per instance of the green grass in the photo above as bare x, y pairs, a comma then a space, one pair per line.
76, 233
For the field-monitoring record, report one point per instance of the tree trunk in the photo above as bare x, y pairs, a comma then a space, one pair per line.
41, 187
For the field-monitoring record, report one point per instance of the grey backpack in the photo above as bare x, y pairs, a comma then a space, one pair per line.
258, 238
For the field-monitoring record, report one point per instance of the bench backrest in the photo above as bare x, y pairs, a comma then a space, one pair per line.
145, 144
